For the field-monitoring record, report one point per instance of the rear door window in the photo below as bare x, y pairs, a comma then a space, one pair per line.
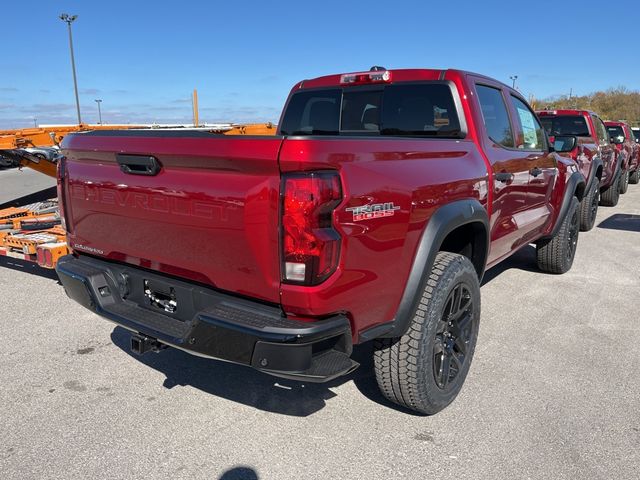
495, 115
417, 110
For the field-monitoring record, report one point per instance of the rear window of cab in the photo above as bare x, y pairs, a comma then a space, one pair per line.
565, 125
415, 110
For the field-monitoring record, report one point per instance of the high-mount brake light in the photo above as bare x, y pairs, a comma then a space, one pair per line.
310, 244
377, 76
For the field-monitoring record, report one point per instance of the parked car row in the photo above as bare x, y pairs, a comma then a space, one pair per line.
372, 215
607, 154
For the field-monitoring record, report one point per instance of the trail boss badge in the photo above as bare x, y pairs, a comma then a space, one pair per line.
376, 210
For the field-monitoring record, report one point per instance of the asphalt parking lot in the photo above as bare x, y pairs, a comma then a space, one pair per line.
553, 393
15, 183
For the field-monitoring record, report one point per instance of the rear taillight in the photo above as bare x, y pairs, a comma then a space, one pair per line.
310, 244
48, 258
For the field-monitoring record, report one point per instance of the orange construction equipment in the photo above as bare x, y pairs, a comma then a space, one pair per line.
48, 136
20, 236
252, 129
33, 233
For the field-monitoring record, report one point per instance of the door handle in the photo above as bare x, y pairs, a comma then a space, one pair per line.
504, 177
138, 164
535, 172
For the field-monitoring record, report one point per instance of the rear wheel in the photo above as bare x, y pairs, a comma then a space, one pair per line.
425, 369
624, 182
589, 206
555, 255
635, 176
609, 196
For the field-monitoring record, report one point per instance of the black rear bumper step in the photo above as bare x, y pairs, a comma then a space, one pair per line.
209, 323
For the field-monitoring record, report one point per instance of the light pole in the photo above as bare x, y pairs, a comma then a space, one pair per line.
35, 122
513, 79
98, 101
69, 19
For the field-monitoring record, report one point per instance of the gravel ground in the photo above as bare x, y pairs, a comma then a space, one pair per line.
552, 393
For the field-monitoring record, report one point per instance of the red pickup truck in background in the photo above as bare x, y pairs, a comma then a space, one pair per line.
371, 216
623, 138
595, 155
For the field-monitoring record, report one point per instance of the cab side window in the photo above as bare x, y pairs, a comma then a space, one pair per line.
601, 131
532, 133
495, 115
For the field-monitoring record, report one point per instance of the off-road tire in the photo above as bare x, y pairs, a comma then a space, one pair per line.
634, 178
556, 254
624, 182
589, 206
410, 369
609, 196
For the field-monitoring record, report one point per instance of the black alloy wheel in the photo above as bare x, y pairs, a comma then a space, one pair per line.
572, 237
453, 336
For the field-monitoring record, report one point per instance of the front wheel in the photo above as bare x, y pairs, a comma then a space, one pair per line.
624, 182
635, 176
611, 195
424, 369
589, 206
555, 255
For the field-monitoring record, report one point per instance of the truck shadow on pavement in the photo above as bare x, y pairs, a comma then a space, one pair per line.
240, 473
247, 386
621, 221
524, 259
27, 267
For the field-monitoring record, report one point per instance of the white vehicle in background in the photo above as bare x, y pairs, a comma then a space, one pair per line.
636, 133
45, 153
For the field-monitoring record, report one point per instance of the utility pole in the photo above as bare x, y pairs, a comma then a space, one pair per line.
513, 80
194, 104
69, 20
35, 122
98, 101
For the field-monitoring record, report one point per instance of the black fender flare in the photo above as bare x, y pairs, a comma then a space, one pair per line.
596, 163
443, 221
618, 170
575, 180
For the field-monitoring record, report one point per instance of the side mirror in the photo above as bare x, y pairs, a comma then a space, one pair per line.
564, 143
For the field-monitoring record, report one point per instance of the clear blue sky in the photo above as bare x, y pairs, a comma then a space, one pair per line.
143, 58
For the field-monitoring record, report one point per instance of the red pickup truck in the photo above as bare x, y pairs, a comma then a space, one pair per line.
371, 215
595, 155
623, 138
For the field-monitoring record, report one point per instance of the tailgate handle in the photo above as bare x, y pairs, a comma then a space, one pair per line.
138, 164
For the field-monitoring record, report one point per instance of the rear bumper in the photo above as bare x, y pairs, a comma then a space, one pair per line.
209, 323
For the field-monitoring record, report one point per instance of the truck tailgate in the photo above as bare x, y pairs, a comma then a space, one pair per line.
210, 214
